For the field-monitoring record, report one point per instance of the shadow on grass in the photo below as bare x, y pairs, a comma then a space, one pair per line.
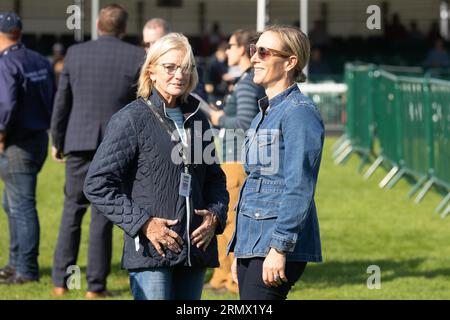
340, 273
115, 268
116, 271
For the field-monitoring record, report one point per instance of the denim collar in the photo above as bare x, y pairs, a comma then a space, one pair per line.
187, 109
264, 103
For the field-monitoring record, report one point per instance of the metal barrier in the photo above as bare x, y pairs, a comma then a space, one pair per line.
440, 127
386, 116
330, 99
359, 127
410, 119
440, 122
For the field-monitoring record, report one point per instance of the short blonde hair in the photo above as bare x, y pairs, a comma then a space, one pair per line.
171, 41
296, 43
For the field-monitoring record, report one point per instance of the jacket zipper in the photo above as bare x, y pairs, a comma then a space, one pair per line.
188, 223
188, 199
188, 202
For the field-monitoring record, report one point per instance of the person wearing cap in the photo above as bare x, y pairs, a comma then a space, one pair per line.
99, 78
26, 98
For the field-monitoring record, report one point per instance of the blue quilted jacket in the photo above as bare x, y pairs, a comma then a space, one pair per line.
133, 177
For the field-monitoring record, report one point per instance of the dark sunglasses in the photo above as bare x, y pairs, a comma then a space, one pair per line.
265, 53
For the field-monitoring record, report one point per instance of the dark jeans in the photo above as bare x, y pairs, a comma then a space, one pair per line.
20, 164
252, 287
100, 229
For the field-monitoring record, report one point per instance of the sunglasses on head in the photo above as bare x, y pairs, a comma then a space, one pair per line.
265, 53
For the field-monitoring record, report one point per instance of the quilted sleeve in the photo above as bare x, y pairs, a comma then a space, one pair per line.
103, 186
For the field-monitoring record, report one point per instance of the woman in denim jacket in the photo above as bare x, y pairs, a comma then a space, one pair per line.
277, 230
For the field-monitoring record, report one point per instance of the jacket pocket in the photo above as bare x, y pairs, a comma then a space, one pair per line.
260, 209
268, 151
256, 224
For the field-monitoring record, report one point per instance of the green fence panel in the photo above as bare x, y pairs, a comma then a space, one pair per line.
331, 106
359, 106
410, 71
386, 113
410, 117
440, 121
414, 123
348, 77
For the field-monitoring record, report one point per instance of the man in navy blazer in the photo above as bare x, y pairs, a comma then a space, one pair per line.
98, 79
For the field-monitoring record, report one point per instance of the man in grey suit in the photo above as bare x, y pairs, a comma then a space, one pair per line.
98, 79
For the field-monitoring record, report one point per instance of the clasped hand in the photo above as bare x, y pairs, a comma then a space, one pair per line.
158, 231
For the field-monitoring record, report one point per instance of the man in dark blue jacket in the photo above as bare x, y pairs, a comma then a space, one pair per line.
26, 98
98, 79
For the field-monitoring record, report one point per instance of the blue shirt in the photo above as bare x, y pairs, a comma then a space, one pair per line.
27, 91
177, 116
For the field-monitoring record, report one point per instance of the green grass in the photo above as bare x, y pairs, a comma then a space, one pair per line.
361, 225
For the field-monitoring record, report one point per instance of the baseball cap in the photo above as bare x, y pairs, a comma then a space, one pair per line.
9, 22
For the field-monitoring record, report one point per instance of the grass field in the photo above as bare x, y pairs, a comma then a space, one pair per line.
361, 225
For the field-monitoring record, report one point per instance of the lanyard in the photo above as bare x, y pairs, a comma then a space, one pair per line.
169, 131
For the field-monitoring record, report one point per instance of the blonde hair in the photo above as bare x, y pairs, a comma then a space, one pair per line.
171, 41
296, 43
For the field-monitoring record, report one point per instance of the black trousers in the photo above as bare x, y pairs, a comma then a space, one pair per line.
252, 287
100, 229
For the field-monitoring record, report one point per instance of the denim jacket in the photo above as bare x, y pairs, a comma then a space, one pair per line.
281, 155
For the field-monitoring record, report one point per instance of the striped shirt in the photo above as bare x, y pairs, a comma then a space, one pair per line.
241, 106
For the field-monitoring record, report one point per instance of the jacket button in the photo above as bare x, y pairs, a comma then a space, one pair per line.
257, 215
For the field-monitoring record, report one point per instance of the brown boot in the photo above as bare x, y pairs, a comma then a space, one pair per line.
99, 294
58, 291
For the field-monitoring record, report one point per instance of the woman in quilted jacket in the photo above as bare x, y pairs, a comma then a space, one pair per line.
155, 175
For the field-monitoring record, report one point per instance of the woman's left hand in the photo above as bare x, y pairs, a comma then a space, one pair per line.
202, 236
273, 268
215, 116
